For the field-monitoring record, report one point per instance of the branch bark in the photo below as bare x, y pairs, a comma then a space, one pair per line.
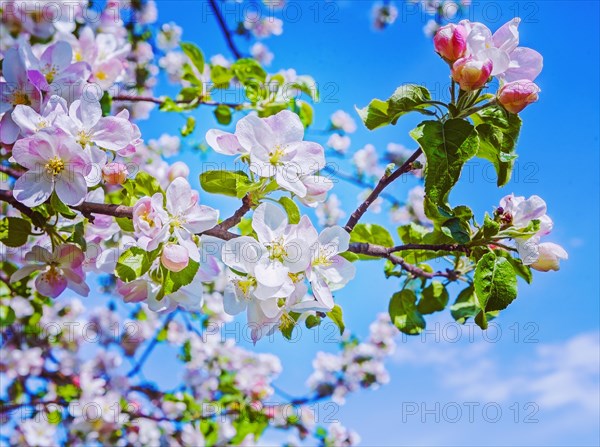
381, 185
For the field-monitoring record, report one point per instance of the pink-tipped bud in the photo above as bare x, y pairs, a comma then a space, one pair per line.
174, 257
450, 42
471, 73
114, 173
178, 169
517, 95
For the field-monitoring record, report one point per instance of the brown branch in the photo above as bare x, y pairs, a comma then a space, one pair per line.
386, 253
381, 185
236, 218
431, 247
12, 172
160, 101
224, 29
107, 209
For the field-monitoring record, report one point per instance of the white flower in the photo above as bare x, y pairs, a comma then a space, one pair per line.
342, 120
275, 149
339, 143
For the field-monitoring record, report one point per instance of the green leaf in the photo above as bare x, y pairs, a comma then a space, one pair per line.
495, 282
173, 281
125, 224
133, 263
337, 317
371, 234
498, 131
524, 271
60, 207
106, 104
7, 316
14, 231
433, 298
188, 128
312, 321
457, 229
221, 76
223, 114
466, 305
248, 71
292, 210
229, 183
407, 98
404, 313
195, 55
305, 113
447, 147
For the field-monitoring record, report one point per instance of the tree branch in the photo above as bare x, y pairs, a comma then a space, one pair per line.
381, 185
107, 209
160, 101
386, 253
224, 29
236, 218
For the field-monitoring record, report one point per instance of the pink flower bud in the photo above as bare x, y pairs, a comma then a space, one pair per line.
471, 73
178, 169
450, 42
517, 95
114, 173
174, 257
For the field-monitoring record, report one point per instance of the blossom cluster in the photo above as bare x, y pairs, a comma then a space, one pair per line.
359, 365
475, 55
519, 213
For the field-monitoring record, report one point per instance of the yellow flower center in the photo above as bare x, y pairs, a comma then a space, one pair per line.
322, 259
277, 251
276, 154
84, 138
50, 74
246, 285
54, 166
20, 97
286, 322
101, 76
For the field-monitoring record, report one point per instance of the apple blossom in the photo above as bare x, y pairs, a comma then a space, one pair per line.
54, 163
261, 53
15, 90
87, 125
339, 143
330, 212
114, 173
174, 257
471, 73
510, 62
549, 255
178, 169
275, 148
285, 252
169, 36
515, 96
450, 42
30, 121
54, 72
60, 269
342, 120
328, 271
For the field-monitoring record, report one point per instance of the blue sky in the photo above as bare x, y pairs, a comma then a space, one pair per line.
544, 362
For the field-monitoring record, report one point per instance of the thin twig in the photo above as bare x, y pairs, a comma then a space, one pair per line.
381, 185
224, 29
